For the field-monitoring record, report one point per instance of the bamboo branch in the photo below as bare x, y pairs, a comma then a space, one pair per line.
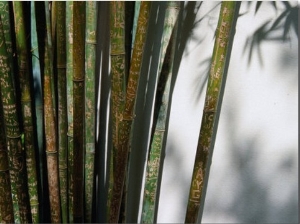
212, 106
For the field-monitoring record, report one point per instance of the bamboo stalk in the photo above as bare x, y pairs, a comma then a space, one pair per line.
6, 204
90, 110
13, 136
27, 110
134, 74
38, 95
79, 102
160, 121
50, 128
118, 88
62, 105
212, 106
69, 73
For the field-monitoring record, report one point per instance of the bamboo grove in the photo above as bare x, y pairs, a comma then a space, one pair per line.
50, 88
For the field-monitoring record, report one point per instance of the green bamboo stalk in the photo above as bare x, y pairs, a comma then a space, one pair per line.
50, 129
160, 121
90, 110
69, 73
6, 23
137, 7
60, 24
37, 79
118, 88
13, 136
131, 91
212, 106
6, 204
79, 102
27, 110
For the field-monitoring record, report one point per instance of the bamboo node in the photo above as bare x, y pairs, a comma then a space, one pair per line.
51, 152
91, 42
15, 136
61, 66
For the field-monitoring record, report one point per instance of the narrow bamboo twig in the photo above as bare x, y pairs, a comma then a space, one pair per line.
212, 106
69, 73
6, 204
90, 110
60, 25
131, 91
118, 88
160, 121
27, 110
50, 129
13, 136
79, 102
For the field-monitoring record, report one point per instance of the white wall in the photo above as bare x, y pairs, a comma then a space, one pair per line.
254, 171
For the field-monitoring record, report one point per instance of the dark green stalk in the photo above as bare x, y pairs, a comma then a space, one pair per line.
27, 110
79, 102
38, 95
6, 204
90, 110
50, 130
212, 106
13, 136
118, 88
69, 73
62, 106
159, 135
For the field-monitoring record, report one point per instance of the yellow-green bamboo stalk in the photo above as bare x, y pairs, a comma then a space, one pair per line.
60, 25
212, 106
118, 88
50, 129
79, 102
13, 136
90, 109
69, 73
131, 91
27, 110
160, 120
6, 204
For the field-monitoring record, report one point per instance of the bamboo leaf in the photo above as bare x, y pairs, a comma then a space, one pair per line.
213, 99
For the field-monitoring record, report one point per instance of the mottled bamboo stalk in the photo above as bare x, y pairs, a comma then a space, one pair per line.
6, 204
79, 102
50, 128
160, 120
131, 91
212, 106
90, 109
27, 110
118, 88
60, 25
13, 136
69, 73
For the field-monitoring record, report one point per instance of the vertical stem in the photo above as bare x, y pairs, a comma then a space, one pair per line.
27, 110
6, 204
79, 101
69, 73
159, 134
60, 15
118, 74
90, 110
50, 129
212, 106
